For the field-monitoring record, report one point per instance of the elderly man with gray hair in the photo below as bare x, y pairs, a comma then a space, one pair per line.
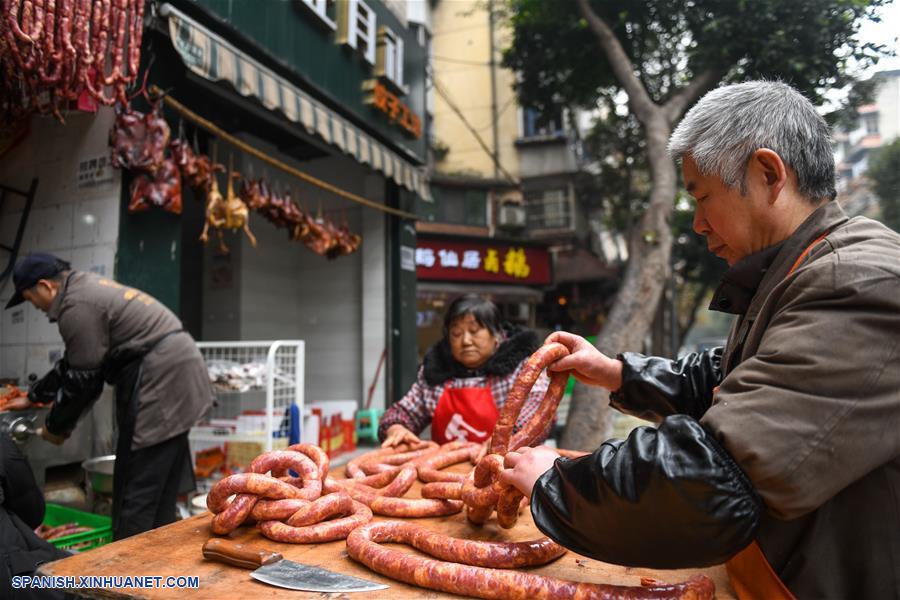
778, 454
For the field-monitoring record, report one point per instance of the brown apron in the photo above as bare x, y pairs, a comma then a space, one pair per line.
750, 573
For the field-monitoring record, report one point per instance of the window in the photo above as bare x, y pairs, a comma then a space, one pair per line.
535, 123
357, 28
549, 209
390, 57
459, 206
870, 123
325, 10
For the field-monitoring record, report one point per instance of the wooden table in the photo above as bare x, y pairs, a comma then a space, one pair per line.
175, 550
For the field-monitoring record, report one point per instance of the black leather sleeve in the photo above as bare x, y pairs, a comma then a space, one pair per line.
46, 388
666, 498
79, 390
654, 388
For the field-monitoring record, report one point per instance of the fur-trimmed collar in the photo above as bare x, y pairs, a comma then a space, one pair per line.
439, 364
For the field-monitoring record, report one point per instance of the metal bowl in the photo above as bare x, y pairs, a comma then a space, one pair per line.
99, 471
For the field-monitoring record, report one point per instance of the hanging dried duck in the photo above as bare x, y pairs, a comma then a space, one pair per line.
138, 141
161, 189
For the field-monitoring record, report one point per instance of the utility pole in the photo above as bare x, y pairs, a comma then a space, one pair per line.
493, 67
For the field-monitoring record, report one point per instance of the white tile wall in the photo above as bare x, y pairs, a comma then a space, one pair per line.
39, 329
50, 229
14, 360
39, 358
15, 324
94, 222
78, 224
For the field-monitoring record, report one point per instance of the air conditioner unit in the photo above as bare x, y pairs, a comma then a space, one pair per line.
512, 216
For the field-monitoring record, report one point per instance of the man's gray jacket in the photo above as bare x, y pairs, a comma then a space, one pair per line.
105, 325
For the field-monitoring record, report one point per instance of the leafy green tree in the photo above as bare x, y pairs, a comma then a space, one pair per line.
884, 173
663, 56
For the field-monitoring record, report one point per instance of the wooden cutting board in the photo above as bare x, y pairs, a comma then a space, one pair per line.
174, 550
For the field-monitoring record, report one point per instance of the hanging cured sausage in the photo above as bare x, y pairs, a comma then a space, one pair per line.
53, 51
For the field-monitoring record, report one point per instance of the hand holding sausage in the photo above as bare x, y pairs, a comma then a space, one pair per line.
398, 434
586, 363
524, 468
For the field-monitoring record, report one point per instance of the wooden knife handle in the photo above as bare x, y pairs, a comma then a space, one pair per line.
239, 555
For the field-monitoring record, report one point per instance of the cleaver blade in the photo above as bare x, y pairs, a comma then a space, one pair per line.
273, 569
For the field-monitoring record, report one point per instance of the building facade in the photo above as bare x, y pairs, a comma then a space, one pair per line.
878, 124
500, 173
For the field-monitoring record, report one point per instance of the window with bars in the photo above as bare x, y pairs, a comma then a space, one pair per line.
549, 209
457, 206
356, 27
326, 10
390, 56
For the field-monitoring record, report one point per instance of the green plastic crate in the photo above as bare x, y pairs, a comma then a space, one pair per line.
100, 534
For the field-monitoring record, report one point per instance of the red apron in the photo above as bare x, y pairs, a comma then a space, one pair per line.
466, 414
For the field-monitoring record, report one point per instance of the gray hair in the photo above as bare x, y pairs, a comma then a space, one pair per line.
730, 123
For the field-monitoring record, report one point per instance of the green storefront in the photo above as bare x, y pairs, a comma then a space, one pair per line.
335, 90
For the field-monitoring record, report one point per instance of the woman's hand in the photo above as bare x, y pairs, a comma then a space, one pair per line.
586, 363
398, 434
524, 468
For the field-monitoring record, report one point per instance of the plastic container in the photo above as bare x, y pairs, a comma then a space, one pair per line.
100, 534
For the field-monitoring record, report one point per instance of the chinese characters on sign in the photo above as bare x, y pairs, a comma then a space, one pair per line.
478, 261
94, 170
398, 112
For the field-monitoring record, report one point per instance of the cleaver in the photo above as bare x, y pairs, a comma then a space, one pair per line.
274, 570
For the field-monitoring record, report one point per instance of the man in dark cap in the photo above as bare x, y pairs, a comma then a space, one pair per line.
125, 337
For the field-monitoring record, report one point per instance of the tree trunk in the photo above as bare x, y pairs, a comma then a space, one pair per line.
650, 244
589, 422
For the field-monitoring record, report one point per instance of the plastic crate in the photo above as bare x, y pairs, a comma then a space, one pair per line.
100, 534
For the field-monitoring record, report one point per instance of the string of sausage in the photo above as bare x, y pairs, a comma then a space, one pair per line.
62, 48
288, 508
474, 578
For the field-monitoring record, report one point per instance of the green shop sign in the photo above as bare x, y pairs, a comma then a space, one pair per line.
357, 54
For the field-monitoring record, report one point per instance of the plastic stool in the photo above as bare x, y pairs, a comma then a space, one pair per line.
367, 423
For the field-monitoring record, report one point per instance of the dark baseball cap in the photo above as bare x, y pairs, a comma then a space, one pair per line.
32, 269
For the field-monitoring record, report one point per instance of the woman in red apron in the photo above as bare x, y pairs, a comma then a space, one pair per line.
464, 378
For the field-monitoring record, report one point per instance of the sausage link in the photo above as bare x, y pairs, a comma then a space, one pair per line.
234, 515
528, 374
324, 508
481, 582
396, 507
316, 454
276, 510
429, 469
248, 483
353, 468
508, 506
538, 425
477, 497
279, 461
327, 531
442, 490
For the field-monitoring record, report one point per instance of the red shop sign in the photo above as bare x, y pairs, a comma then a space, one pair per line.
451, 260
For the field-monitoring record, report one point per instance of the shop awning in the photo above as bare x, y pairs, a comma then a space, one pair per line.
511, 292
209, 56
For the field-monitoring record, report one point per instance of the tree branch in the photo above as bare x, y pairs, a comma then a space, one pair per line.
641, 103
702, 83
